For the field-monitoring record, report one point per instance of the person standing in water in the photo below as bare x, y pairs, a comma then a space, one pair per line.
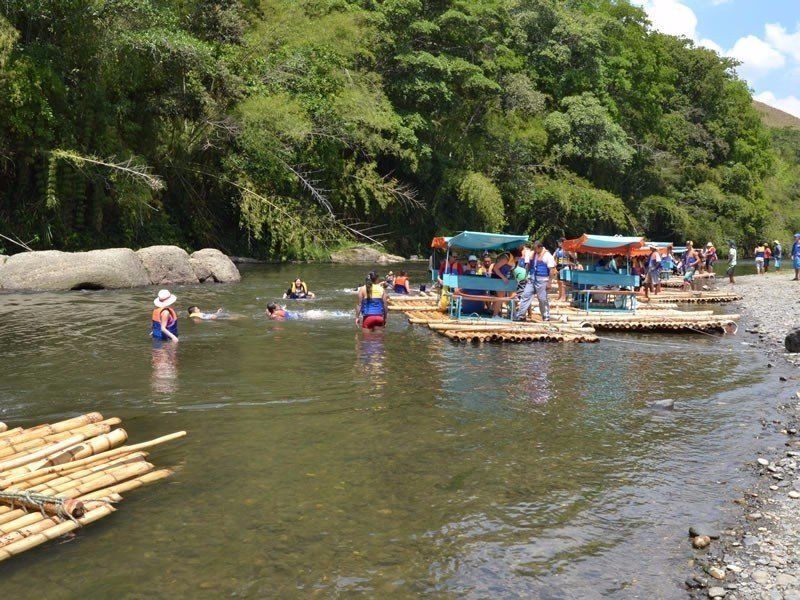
165, 319
371, 307
732, 256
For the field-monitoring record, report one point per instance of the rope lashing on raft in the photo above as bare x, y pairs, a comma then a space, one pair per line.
66, 508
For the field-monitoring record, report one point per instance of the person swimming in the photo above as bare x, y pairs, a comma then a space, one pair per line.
164, 317
279, 313
298, 291
196, 313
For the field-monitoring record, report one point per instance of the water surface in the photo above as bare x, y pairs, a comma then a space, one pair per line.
323, 461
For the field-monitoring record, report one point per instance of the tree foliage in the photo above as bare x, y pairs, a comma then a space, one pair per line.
284, 127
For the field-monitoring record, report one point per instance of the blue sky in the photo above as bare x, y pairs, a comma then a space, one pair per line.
763, 34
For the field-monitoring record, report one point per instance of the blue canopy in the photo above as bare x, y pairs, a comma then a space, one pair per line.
472, 240
679, 249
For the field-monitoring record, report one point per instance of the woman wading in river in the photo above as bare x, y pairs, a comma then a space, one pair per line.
165, 319
371, 307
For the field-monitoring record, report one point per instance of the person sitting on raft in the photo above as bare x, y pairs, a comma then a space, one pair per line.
196, 313
279, 313
298, 291
164, 318
401, 283
388, 281
371, 307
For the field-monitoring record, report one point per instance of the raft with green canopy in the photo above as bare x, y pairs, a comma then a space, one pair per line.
475, 241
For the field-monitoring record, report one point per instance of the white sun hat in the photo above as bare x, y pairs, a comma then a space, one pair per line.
165, 298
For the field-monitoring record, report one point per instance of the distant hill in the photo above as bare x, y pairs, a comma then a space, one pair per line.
774, 117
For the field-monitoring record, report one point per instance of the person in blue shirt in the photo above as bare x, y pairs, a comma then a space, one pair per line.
796, 256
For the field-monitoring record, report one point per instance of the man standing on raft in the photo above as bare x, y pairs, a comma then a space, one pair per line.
541, 269
371, 307
165, 319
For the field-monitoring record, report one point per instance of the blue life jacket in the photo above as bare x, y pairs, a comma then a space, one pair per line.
371, 307
540, 269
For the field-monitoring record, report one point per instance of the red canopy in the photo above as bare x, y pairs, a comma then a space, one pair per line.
605, 245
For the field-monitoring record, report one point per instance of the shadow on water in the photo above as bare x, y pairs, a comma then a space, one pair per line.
323, 459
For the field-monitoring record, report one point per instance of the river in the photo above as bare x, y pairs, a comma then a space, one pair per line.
323, 461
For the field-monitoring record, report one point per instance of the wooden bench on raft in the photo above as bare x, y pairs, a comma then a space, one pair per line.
481, 284
586, 284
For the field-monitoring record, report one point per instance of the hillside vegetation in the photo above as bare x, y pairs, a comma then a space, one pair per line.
286, 127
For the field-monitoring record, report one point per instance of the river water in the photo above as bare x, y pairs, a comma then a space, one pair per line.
323, 461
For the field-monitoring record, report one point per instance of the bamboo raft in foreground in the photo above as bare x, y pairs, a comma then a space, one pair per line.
55, 478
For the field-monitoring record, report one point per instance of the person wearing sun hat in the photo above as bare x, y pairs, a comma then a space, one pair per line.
165, 319
796, 256
777, 254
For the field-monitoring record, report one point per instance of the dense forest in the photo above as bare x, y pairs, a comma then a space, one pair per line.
284, 128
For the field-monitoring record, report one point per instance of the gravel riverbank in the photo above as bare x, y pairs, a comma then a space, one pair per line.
760, 557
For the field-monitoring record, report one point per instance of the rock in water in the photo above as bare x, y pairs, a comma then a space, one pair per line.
792, 342
364, 254
664, 404
51, 270
701, 541
716, 592
209, 264
166, 265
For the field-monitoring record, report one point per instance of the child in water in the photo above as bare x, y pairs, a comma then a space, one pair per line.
279, 313
196, 313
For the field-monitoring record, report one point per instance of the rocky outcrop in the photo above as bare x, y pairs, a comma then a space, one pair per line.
51, 270
364, 254
210, 264
167, 265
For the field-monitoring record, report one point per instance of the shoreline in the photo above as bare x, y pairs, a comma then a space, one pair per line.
758, 557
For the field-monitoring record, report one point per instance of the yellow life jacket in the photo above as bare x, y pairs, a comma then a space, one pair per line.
303, 288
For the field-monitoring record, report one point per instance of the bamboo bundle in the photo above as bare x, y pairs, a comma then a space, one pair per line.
57, 477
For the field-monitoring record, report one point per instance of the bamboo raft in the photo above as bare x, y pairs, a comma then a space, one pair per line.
55, 478
694, 297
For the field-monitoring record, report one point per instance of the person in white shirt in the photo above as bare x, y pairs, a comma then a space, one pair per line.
540, 270
732, 255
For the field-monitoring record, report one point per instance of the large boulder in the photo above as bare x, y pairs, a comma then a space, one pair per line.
792, 342
167, 265
51, 270
209, 264
364, 254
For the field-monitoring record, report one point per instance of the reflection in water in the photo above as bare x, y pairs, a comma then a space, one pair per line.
164, 379
370, 352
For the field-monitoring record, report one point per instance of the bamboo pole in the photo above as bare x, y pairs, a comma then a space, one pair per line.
108, 478
51, 478
10, 432
129, 485
13, 479
62, 528
59, 427
39, 454
84, 449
